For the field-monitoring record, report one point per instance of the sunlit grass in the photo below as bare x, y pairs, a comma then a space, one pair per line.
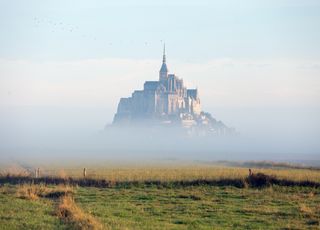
180, 172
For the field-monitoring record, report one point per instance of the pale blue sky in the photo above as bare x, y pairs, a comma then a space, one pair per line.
239, 53
193, 30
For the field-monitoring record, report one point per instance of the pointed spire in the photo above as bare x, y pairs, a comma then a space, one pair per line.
164, 69
164, 53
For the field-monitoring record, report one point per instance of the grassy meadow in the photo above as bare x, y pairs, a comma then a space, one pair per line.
202, 207
154, 206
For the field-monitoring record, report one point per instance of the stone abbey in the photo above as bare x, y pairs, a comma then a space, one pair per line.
167, 102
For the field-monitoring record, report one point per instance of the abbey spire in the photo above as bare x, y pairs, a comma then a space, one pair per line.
164, 53
163, 74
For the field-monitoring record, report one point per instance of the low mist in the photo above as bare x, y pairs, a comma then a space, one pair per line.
83, 133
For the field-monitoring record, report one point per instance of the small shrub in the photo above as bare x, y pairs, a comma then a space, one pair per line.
260, 180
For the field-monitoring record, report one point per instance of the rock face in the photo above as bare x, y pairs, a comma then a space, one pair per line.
167, 102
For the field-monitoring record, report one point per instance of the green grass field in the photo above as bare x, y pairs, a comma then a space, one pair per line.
202, 207
142, 206
17, 213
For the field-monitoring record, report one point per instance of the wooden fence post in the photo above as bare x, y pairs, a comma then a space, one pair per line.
84, 172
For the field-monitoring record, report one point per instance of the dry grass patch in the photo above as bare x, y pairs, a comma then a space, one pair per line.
34, 192
30, 192
305, 209
67, 210
70, 213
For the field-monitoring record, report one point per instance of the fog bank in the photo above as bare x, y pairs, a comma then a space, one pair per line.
66, 133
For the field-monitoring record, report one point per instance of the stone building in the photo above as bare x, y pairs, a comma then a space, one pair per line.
166, 101
161, 100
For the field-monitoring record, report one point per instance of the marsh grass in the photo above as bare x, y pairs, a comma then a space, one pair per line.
180, 172
118, 172
255, 180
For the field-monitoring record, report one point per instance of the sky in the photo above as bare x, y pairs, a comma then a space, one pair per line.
256, 52
256, 63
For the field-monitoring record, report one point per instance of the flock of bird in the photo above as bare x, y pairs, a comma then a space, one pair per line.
60, 26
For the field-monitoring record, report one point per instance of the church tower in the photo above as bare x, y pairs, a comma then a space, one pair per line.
163, 74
